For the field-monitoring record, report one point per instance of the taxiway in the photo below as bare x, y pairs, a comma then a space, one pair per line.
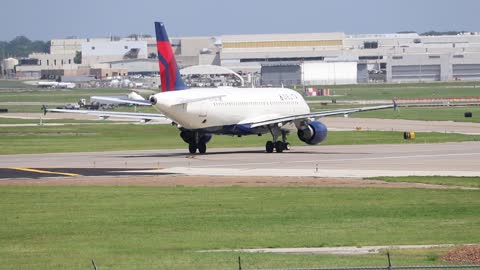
444, 159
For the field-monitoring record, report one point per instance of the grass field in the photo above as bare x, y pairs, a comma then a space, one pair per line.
13, 84
37, 108
109, 137
49, 121
23, 108
473, 182
162, 228
427, 114
346, 92
342, 92
389, 91
56, 95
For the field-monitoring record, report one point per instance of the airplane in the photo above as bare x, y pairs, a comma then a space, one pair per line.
47, 84
66, 85
200, 113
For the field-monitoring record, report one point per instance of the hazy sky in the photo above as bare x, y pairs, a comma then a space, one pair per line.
49, 19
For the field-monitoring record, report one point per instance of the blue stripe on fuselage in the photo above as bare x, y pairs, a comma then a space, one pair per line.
233, 130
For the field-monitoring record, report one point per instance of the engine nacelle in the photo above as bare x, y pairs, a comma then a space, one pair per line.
314, 133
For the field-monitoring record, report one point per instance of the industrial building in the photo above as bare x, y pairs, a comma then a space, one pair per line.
7, 67
310, 73
96, 52
104, 57
211, 76
292, 58
288, 59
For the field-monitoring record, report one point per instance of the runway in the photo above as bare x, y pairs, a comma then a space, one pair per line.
357, 161
37, 173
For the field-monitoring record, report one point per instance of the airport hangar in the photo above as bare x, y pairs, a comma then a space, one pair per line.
289, 59
332, 56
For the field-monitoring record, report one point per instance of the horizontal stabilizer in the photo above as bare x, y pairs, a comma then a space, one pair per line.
191, 100
121, 100
107, 114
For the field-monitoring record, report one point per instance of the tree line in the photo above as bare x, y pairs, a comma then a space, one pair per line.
21, 46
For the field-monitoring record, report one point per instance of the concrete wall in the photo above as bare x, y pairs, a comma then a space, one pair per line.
362, 73
55, 61
433, 67
101, 52
66, 46
287, 75
142, 66
334, 73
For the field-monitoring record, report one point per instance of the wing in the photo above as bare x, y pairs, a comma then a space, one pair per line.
286, 119
315, 115
106, 114
122, 100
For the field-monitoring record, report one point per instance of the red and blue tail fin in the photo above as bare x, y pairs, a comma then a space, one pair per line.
169, 73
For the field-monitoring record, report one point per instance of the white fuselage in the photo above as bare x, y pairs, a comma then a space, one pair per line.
228, 106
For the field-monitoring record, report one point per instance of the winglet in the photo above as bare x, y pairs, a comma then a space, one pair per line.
169, 73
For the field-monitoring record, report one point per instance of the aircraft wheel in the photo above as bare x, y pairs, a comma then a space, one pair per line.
286, 146
192, 148
279, 147
202, 148
269, 147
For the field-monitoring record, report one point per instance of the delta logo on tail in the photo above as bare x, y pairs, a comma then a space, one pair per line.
169, 74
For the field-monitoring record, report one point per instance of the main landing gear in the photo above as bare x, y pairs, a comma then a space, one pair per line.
201, 146
196, 141
277, 145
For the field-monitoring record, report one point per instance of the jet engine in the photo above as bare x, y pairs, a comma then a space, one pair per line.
313, 133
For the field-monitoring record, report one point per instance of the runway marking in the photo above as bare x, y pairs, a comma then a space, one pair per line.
42, 171
339, 159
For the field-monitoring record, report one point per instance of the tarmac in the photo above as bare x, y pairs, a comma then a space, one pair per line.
346, 161
350, 161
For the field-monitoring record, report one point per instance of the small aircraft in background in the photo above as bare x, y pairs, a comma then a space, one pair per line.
65, 85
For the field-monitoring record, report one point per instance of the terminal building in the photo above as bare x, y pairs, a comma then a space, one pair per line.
278, 59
